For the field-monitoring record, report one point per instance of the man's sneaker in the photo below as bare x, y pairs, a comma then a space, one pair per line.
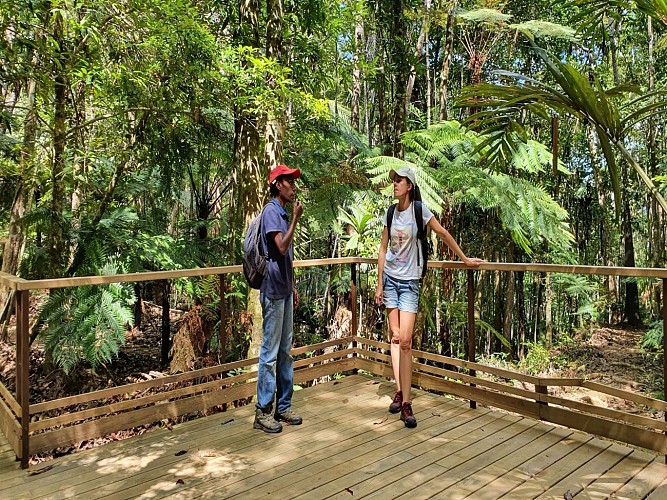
289, 417
397, 403
407, 416
266, 422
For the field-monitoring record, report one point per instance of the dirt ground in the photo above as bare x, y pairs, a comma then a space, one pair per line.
611, 356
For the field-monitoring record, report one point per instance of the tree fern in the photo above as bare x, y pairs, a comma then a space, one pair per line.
447, 157
87, 323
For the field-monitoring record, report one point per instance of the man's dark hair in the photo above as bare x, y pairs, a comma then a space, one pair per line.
273, 189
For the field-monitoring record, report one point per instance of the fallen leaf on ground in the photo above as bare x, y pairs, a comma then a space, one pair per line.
179, 453
227, 421
180, 481
381, 421
568, 495
40, 471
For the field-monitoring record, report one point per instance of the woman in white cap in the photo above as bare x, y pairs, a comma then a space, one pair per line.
400, 264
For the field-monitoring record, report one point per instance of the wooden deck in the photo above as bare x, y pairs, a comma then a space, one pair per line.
349, 447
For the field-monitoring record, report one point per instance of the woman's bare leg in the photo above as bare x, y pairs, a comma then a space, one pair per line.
407, 324
395, 347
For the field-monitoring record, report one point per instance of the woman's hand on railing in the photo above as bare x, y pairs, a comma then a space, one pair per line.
473, 262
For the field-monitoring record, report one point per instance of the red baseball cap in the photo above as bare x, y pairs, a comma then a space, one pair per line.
295, 173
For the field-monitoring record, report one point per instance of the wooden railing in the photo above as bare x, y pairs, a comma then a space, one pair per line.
56, 423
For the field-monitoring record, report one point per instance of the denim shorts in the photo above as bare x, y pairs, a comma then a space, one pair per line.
403, 294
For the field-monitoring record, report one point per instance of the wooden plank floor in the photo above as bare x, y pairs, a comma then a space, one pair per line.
349, 447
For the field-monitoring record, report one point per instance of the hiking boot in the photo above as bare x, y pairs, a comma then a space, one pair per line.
397, 403
266, 422
289, 417
407, 416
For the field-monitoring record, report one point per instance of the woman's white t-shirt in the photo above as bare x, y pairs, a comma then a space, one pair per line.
401, 261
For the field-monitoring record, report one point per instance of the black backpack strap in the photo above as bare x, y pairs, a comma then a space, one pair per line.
390, 217
264, 249
419, 218
421, 235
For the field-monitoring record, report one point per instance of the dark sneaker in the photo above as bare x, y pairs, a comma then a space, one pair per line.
407, 416
397, 403
266, 422
289, 417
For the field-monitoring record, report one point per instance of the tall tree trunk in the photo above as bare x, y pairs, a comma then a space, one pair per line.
656, 216
448, 51
423, 34
631, 307
356, 75
603, 228
397, 35
275, 122
55, 233
13, 251
631, 304
246, 152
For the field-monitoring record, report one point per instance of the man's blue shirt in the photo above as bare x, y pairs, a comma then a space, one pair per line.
278, 282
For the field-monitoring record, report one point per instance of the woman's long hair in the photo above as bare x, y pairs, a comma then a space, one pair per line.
415, 193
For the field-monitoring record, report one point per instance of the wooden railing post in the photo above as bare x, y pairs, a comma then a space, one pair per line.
353, 297
222, 333
166, 328
664, 344
23, 370
471, 326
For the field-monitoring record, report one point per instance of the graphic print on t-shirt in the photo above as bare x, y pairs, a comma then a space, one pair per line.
401, 239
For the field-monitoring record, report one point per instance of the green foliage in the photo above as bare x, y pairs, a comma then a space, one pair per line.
537, 360
87, 323
360, 227
575, 94
653, 338
546, 29
584, 290
446, 159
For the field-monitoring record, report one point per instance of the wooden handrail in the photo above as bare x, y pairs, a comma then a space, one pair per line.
16, 283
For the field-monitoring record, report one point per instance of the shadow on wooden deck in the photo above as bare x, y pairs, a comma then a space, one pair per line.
349, 447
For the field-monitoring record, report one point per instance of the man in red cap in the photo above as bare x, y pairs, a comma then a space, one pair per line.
278, 297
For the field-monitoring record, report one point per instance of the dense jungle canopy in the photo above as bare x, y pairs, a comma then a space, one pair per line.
138, 135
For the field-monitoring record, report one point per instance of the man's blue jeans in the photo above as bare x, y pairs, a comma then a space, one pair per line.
276, 367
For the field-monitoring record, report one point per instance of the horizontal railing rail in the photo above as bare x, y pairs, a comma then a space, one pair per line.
31, 428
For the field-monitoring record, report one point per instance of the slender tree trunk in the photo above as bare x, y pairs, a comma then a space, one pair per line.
356, 75
631, 308
13, 251
423, 35
246, 152
55, 233
631, 303
448, 51
603, 227
383, 116
399, 52
656, 216
275, 123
